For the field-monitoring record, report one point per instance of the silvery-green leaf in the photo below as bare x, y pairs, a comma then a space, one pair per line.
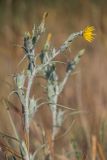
32, 107
60, 117
20, 80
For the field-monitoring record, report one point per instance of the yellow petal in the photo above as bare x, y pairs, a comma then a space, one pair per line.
88, 33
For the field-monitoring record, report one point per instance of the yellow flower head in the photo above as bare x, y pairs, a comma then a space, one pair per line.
88, 33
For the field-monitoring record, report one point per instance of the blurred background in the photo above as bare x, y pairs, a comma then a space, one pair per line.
86, 90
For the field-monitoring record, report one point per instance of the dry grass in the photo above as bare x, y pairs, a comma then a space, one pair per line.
87, 89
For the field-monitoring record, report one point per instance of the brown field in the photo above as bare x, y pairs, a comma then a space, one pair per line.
86, 90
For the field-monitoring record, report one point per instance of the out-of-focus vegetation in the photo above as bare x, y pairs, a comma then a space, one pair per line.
86, 90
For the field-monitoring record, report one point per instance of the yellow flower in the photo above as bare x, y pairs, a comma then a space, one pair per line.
88, 33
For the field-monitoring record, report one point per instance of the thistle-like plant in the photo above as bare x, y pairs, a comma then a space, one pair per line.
54, 86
